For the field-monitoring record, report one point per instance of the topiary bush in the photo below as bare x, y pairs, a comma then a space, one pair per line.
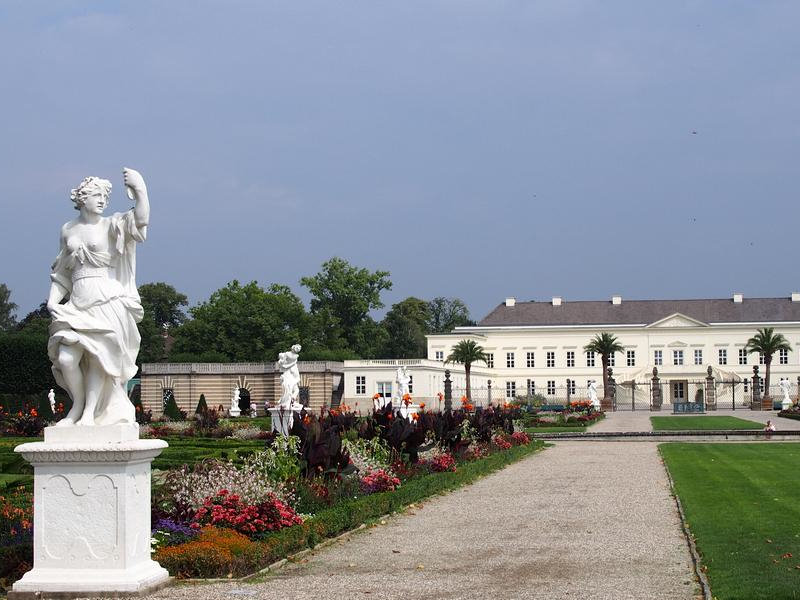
171, 410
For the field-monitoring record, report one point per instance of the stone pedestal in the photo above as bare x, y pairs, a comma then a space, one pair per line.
283, 418
234, 411
91, 520
407, 412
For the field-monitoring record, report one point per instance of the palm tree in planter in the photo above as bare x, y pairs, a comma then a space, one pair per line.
604, 344
767, 342
466, 352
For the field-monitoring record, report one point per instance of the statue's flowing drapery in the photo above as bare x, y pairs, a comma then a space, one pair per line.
102, 312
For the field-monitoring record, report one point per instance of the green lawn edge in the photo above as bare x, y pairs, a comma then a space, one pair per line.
740, 510
351, 514
703, 422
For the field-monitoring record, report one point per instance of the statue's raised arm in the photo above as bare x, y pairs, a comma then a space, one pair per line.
94, 340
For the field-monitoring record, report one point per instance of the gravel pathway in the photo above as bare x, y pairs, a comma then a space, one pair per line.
578, 520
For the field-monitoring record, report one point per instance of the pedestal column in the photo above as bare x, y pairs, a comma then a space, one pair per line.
91, 520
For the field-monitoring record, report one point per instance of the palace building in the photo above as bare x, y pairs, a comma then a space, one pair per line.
537, 348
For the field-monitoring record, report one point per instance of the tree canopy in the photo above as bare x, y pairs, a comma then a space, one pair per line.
342, 296
244, 323
7, 309
406, 326
445, 314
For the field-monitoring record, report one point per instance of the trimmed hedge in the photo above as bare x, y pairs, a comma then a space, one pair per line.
348, 515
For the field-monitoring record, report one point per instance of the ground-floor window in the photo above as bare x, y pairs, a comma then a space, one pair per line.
571, 386
384, 389
361, 384
531, 387
511, 389
551, 388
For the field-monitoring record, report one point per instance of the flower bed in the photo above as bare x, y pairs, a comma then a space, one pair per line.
208, 561
792, 412
228, 507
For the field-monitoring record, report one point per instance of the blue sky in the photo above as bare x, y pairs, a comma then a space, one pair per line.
472, 149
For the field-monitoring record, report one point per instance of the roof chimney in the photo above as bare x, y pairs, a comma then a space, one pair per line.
795, 296
737, 298
556, 300
616, 299
511, 301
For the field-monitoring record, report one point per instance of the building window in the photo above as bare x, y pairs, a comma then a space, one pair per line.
590, 359
698, 357
529, 360
723, 356
384, 389
490, 360
410, 384
551, 359
570, 358
511, 389
439, 355
510, 360
783, 356
630, 358
761, 360
551, 388
531, 387
742, 356
361, 385
612, 360
571, 386
677, 357
658, 358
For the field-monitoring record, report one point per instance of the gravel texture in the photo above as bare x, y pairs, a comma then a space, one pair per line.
578, 520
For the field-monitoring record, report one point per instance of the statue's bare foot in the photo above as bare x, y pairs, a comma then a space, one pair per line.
65, 422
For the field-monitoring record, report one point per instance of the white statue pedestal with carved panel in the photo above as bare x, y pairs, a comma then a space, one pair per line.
91, 520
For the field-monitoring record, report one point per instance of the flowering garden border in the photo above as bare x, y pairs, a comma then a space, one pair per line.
259, 556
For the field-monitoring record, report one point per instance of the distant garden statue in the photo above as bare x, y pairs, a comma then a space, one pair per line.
94, 340
403, 381
786, 403
593, 395
234, 409
283, 414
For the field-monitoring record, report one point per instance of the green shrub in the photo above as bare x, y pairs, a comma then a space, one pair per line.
202, 407
172, 411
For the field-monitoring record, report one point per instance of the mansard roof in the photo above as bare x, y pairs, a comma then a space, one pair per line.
642, 312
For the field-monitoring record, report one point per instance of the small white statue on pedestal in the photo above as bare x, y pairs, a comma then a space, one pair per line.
786, 403
283, 414
402, 399
234, 409
593, 395
51, 397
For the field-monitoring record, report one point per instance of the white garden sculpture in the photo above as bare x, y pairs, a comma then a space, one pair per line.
593, 395
234, 410
92, 472
786, 403
283, 414
51, 398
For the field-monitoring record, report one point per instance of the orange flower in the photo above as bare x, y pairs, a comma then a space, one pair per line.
422, 406
306, 420
415, 416
441, 396
376, 396
464, 400
34, 412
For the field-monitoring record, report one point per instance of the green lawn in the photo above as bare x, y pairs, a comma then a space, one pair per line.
15, 470
741, 504
576, 429
706, 423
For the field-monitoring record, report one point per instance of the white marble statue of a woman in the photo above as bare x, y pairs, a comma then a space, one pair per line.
290, 377
785, 386
93, 337
593, 395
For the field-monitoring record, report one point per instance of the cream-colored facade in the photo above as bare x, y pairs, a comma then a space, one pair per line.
365, 378
681, 347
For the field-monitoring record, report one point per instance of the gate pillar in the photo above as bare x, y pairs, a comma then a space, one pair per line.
656, 397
